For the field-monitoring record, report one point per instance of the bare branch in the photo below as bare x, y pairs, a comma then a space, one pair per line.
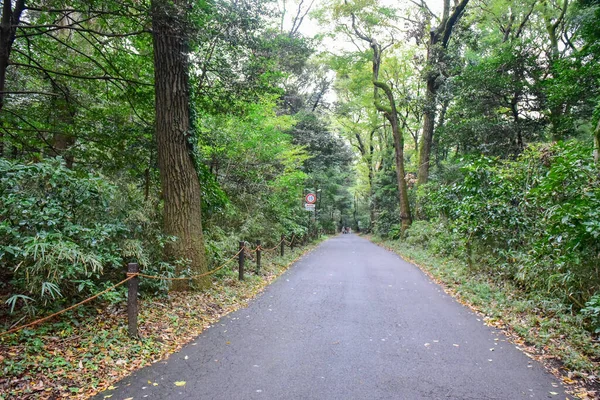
525, 19
51, 28
358, 32
299, 18
451, 21
26, 92
98, 78
422, 5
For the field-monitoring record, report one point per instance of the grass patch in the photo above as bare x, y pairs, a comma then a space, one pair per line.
87, 350
544, 328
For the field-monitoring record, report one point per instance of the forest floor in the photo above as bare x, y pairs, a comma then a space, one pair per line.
539, 326
87, 350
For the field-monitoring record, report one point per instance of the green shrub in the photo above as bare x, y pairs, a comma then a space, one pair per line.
535, 219
68, 234
592, 311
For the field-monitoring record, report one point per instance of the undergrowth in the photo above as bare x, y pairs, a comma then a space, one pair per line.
88, 350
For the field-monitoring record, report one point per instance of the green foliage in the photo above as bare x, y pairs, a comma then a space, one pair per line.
491, 114
65, 233
533, 220
51, 222
257, 167
592, 311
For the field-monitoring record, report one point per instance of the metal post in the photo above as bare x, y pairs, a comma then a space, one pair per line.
241, 261
282, 249
132, 300
258, 251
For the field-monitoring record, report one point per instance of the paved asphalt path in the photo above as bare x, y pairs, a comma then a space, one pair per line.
350, 320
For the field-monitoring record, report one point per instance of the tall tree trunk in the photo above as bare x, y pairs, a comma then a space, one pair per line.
391, 114
179, 179
597, 143
437, 45
405, 215
427, 135
8, 29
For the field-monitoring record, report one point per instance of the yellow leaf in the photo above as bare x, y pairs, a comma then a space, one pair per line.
111, 387
180, 383
129, 398
155, 384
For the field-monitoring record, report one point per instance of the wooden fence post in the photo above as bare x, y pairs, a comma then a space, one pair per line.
282, 249
241, 261
132, 300
292, 242
258, 251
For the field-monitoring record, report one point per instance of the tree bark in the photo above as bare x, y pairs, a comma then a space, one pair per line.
8, 29
597, 143
428, 128
179, 179
438, 43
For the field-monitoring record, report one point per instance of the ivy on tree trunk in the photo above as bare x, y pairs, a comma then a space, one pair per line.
179, 180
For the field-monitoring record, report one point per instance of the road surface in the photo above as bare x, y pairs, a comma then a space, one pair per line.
350, 320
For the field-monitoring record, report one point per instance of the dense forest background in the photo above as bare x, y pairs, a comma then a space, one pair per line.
165, 132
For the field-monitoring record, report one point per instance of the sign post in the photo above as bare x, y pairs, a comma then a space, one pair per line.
309, 202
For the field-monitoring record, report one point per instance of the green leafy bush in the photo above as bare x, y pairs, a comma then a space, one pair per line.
65, 233
592, 311
535, 219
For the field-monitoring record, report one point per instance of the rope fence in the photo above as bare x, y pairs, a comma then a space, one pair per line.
133, 274
13, 330
183, 278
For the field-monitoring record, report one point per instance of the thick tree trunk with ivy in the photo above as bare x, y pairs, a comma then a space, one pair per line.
179, 179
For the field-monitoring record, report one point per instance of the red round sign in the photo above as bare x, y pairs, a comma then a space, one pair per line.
311, 198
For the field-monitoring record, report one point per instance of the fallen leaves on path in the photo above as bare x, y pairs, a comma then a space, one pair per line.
519, 325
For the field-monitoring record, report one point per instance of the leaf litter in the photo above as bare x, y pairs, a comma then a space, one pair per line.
60, 360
